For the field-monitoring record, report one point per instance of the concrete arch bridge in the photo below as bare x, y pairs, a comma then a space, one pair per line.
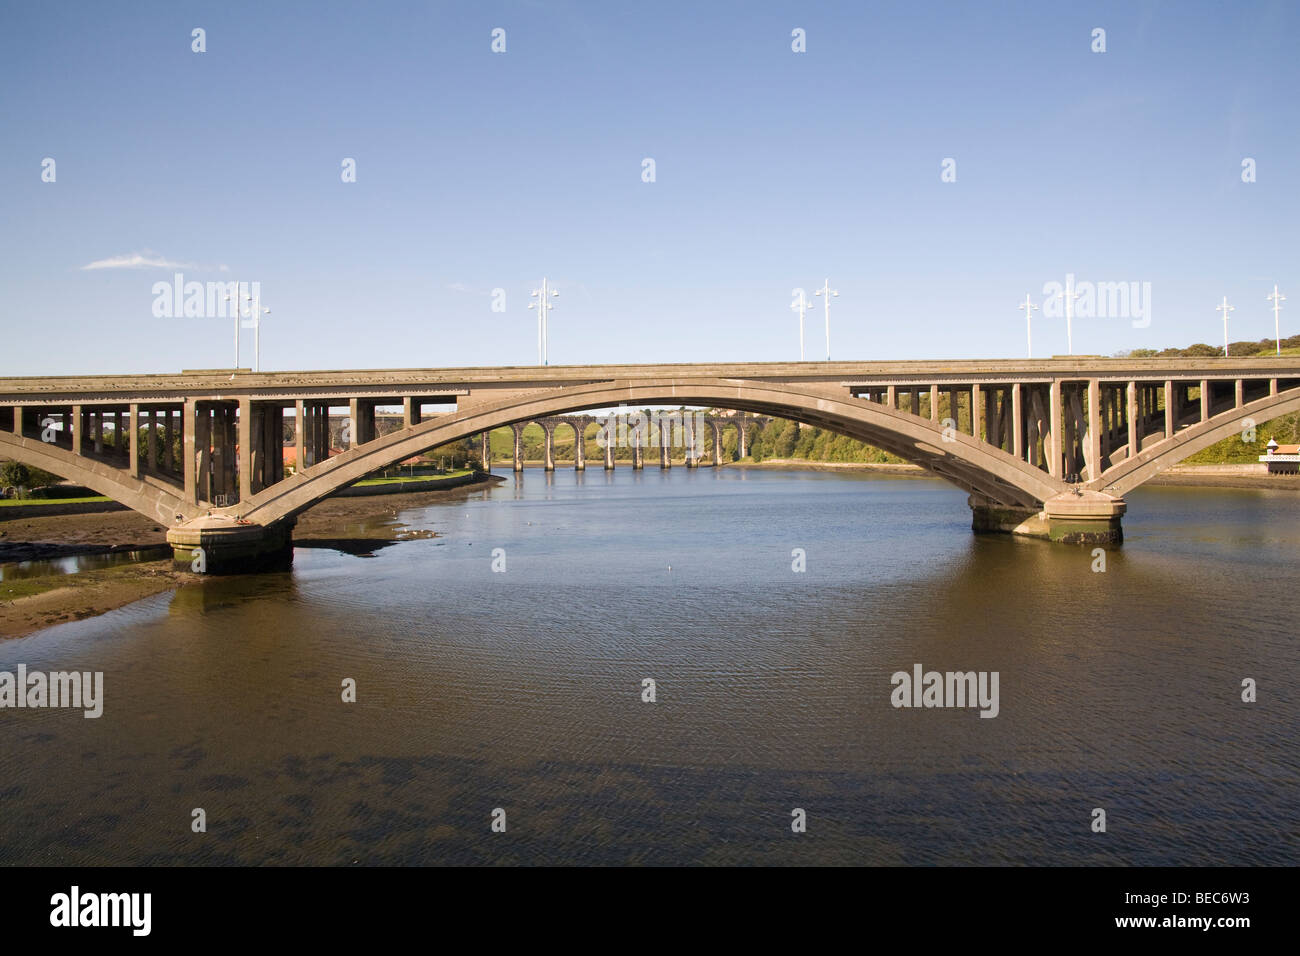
1043, 447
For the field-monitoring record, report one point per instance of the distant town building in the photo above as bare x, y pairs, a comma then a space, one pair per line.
1282, 459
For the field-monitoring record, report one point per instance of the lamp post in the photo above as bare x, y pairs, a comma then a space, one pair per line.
1225, 309
1068, 295
543, 305
1030, 309
257, 313
1277, 299
801, 305
237, 310
827, 292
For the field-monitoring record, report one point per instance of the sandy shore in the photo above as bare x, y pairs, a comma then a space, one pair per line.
356, 525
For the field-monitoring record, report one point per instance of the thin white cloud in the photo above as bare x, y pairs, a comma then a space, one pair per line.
147, 260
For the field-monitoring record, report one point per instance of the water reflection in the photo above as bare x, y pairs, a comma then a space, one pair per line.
522, 688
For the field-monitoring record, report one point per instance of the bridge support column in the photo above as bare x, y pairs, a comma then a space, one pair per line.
717, 444
219, 544
742, 442
580, 445
548, 445
133, 446
485, 452
1056, 448
299, 441
151, 442
78, 429
1088, 517
638, 463
246, 451
519, 447
189, 450
665, 437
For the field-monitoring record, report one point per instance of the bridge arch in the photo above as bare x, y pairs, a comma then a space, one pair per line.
1132, 472
147, 494
970, 463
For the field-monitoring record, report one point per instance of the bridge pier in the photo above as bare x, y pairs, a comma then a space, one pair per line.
223, 544
519, 447
1086, 517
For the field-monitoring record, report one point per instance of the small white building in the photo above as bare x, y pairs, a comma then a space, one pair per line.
1282, 459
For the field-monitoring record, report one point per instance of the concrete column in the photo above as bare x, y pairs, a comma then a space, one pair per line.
742, 443
610, 439
934, 403
1272, 386
1092, 457
97, 430
976, 411
548, 446
891, 396
1134, 432
18, 421
78, 428
354, 422
410, 412
189, 456
151, 441
299, 436
245, 449
133, 447
519, 447
1171, 409
1054, 429
168, 436
485, 452
665, 436
717, 443
638, 462
1239, 394
221, 451
1205, 400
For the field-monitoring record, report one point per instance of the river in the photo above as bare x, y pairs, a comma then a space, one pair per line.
521, 690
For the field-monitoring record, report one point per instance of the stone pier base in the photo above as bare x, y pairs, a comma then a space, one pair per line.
220, 544
1089, 517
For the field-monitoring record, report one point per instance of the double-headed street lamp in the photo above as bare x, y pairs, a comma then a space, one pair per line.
255, 312
1277, 299
827, 292
1225, 309
1030, 309
801, 305
543, 305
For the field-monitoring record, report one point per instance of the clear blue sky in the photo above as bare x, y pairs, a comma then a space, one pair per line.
774, 170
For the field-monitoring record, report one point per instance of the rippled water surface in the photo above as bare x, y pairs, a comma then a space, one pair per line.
522, 690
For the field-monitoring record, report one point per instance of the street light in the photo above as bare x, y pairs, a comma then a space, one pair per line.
1068, 295
543, 304
1277, 299
1225, 309
1030, 309
237, 310
827, 292
257, 313
801, 305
